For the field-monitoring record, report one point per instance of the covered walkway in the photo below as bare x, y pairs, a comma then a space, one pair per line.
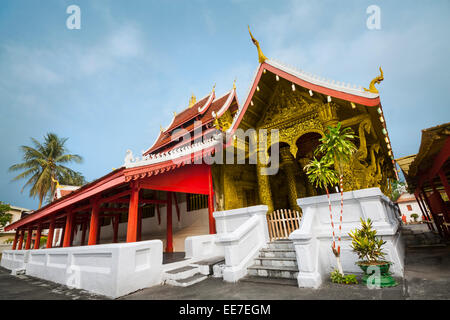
123, 191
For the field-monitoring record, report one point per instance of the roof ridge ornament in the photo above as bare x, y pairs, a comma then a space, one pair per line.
58, 186
234, 84
261, 56
376, 80
192, 100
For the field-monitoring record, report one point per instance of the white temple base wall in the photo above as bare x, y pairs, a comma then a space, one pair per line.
312, 241
112, 270
242, 233
14, 259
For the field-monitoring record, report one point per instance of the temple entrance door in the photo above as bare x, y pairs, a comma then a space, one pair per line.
306, 145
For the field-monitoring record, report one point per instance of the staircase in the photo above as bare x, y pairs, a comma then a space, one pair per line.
276, 264
193, 273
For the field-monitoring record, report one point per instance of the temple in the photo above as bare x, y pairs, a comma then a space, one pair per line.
171, 192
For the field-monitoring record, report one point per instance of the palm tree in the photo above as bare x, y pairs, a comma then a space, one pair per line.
337, 147
45, 163
321, 175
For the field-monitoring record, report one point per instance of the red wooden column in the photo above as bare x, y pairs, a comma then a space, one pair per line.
424, 212
132, 225
94, 225
68, 229
139, 227
116, 228
29, 235
51, 232
212, 222
169, 237
433, 214
22, 235
37, 240
16, 238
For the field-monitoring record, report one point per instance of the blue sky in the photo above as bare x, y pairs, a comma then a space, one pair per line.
110, 85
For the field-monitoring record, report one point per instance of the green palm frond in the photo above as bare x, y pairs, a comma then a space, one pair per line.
337, 145
44, 161
320, 174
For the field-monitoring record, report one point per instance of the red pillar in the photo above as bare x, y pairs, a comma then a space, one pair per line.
51, 232
37, 240
433, 214
16, 238
424, 211
68, 229
94, 225
133, 213
169, 237
139, 228
116, 229
29, 236
212, 222
83, 233
22, 234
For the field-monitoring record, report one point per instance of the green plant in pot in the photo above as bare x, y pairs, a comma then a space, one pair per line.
368, 247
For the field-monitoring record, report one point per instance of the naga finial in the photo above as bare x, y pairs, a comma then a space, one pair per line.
234, 84
376, 80
161, 128
261, 56
214, 87
57, 182
192, 100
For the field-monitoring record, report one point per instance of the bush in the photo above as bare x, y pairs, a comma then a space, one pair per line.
365, 243
415, 216
337, 277
8, 241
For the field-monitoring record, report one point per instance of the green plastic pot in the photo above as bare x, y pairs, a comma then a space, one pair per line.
385, 277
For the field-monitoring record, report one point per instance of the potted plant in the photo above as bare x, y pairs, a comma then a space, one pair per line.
415, 216
368, 247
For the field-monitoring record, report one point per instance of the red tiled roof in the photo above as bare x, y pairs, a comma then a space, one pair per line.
163, 142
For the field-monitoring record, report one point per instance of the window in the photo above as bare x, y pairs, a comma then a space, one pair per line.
408, 206
196, 201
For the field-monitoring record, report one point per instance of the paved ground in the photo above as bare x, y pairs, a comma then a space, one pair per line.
427, 276
22, 287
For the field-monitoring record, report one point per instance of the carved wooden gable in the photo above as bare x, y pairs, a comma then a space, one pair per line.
286, 105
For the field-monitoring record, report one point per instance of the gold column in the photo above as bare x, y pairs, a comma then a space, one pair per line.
265, 194
287, 163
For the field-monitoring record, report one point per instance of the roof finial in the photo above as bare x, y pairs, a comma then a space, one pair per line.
376, 80
57, 182
161, 128
261, 56
192, 101
234, 84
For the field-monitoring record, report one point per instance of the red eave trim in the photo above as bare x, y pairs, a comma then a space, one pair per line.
370, 102
158, 168
105, 183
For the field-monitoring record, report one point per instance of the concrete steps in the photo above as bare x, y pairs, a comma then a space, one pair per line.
265, 280
275, 264
193, 273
